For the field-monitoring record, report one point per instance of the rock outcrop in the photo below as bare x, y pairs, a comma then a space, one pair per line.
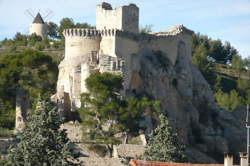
187, 99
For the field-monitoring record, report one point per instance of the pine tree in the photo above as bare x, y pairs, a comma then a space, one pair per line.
164, 145
42, 143
106, 114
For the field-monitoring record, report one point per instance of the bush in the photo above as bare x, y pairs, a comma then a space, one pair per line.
39, 46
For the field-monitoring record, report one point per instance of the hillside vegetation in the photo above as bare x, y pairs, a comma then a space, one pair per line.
225, 70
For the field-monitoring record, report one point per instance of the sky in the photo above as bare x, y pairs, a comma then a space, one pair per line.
228, 20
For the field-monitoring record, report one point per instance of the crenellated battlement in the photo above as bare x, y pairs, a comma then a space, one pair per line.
109, 32
91, 32
81, 32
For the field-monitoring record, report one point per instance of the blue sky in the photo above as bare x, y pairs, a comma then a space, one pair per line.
228, 20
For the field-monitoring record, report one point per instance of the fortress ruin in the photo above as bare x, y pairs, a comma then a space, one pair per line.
114, 46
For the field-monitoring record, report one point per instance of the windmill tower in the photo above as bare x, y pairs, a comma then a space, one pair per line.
38, 26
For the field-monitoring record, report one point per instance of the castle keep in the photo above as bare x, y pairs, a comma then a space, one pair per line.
114, 46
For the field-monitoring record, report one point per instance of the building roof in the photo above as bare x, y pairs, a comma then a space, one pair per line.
38, 19
153, 163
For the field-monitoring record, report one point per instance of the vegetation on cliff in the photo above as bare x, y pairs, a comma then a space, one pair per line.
225, 70
105, 113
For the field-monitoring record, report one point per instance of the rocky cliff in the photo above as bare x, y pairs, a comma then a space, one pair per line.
187, 99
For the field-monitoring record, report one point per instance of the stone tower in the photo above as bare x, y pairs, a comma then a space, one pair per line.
81, 53
38, 27
124, 18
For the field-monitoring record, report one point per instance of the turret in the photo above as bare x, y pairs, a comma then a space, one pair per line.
81, 42
39, 27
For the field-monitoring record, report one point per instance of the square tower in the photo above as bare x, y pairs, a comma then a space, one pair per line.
124, 18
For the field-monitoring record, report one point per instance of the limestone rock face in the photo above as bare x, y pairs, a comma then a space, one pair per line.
188, 101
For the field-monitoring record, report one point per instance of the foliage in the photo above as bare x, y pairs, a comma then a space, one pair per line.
66, 23
200, 60
215, 49
105, 113
29, 70
164, 144
20, 39
42, 142
237, 64
207, 53
33, 39
146, 29
23, 41
52, 30
228, 101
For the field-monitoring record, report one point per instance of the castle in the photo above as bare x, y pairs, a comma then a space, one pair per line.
114, 46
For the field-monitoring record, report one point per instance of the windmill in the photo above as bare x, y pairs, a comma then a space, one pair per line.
39, 26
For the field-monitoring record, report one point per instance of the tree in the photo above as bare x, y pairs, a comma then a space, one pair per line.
237, 64
105, 114
228, 101
146, 29
200, 60
42, 142
33, 39
30, 71
52, 30
164, 144
64, 24
20, 39
83, 25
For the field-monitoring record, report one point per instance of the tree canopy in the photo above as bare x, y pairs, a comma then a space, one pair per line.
105, 113
69, 23
29, 70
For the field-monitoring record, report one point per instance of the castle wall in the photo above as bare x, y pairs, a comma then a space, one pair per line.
107, 45
39, 29
127, 49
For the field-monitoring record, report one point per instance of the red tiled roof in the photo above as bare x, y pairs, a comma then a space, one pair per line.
153, 163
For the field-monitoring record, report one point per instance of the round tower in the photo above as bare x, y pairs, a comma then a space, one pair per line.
38, 27
81, 42
81, 56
